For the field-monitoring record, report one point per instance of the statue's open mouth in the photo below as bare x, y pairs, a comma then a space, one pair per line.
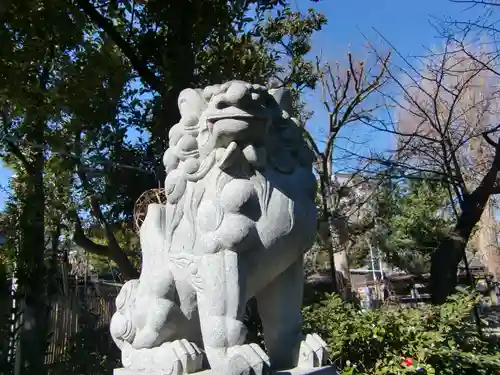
232, 113
234, 124
242, 117
246, 119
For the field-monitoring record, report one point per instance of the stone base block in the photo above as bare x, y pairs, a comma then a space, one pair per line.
327, 370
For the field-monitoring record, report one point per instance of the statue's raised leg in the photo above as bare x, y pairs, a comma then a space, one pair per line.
221, 303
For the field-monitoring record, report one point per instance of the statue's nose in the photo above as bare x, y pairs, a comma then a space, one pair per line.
237, 94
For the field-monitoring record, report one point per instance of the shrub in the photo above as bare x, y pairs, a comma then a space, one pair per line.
437, 340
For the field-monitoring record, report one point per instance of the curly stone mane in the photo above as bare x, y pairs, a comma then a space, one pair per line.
196, 146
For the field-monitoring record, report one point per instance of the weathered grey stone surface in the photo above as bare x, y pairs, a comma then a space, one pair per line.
240, 214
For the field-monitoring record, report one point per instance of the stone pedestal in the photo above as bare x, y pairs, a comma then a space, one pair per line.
327, 370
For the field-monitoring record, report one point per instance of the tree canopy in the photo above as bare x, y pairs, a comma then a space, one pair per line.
88, 93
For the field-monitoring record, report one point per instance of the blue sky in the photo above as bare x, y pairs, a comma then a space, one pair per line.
407, 25
404, 23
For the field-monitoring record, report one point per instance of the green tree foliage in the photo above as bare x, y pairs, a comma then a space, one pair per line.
405, 220
128, 240
174, 45
170, 46
441, 340
33, 54
418, 220
412, 217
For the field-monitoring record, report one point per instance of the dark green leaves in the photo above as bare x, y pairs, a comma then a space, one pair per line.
439, 340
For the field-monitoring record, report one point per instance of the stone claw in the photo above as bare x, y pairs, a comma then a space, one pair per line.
313, 351
190, 356
248, 359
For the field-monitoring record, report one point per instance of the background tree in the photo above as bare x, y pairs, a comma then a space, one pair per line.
170, 47
27, 110
478, 36
346, 93
477, 39
174, 45
448, 110
402, 219
417, 220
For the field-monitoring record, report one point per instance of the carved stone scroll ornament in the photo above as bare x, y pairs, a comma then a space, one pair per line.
240, 214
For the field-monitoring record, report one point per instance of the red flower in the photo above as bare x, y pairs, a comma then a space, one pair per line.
408, 362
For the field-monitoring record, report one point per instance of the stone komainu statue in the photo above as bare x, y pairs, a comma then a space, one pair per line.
240, 214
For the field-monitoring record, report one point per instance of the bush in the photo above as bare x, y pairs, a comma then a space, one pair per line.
437, 340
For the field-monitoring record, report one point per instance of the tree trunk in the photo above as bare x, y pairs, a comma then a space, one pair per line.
447, 257
444, 264
341, 256
327, 216
32, 280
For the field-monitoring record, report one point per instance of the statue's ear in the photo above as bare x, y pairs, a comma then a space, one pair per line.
284, 98
191, 102
232, 156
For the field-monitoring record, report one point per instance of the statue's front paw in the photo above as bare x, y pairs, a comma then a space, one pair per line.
173, 358
247, 359
313, 351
